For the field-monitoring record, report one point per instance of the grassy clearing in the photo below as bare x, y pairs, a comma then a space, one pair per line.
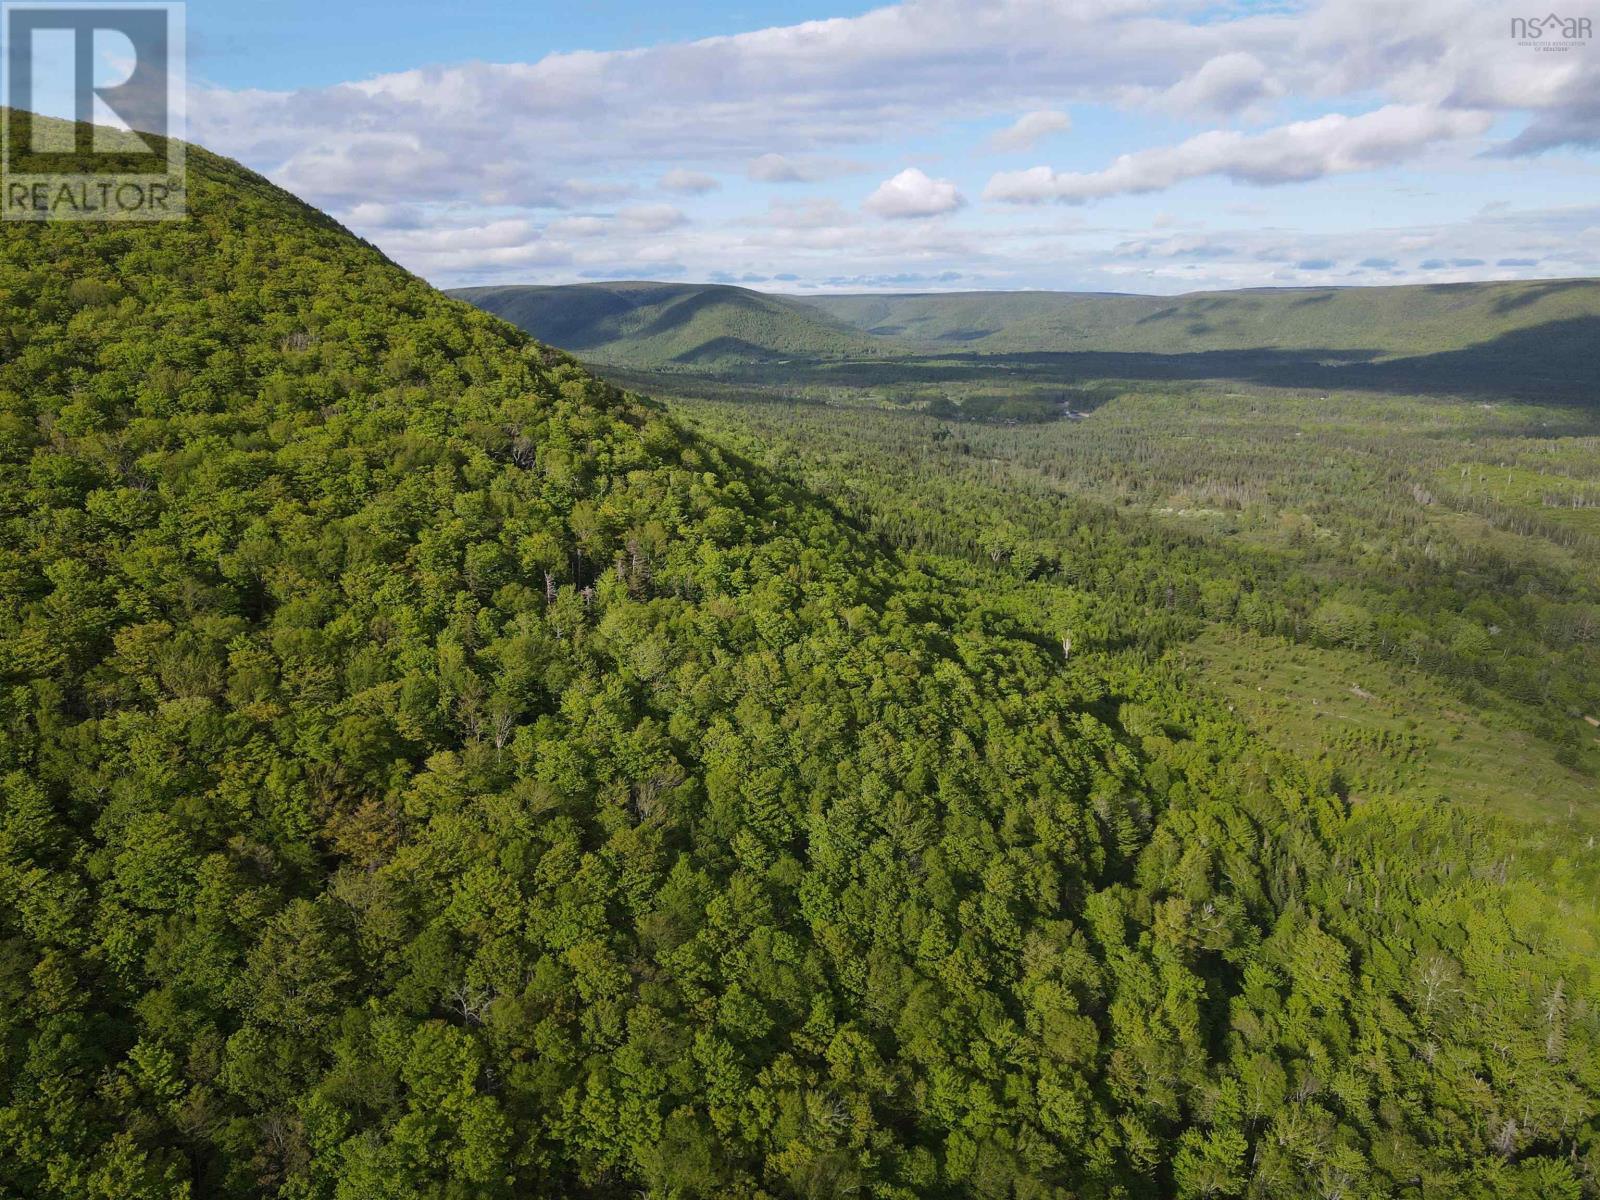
1567, 502
1472, 531
1390, 733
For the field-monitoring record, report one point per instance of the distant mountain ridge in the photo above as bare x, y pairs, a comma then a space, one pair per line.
704, 325
656, 324
1398, 320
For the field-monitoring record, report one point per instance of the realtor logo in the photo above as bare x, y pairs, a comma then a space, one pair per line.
94, 119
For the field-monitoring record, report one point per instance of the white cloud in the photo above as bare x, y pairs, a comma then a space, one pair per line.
912, 194
688, 183
1331, 145
387, 216
495, 235
804, 93
785, 168
651, 218
1029, 128
814, 242
390, 166
496, 245
813, 213
510, 133
462, 145
579, 227
1225, 85
774, 168
587, 191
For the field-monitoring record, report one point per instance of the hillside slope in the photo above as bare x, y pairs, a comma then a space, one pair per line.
1384, 321
427, 771
664, 324
965, 320
1531, 338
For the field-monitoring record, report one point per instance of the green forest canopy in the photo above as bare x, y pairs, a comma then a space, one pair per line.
648, 324
428, 771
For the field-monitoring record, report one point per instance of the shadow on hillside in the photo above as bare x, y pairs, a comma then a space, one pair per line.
1527, 296
726, 349
1556, 361
679, 313
1202, 306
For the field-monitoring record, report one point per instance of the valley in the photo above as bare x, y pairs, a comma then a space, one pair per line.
1029, 352
764, 756
1377, 525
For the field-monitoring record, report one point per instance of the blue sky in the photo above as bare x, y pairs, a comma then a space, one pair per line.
301, 43
1129, 145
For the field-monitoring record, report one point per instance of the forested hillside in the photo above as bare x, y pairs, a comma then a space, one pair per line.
1527, 340
667, 324
653, 324
427, 771
1381, 321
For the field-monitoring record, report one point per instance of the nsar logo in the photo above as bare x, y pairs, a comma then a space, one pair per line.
1552, 32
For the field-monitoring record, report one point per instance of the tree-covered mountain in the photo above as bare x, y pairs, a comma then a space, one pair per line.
668, 324
1382, 322
426, 770
1522, 335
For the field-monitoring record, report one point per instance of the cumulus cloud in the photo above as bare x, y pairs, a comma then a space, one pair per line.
578, 227
1226, 84
805, 243
897, 281
472, 130
636, 269
913, 194
810, 213
774, 168
485, 247
1331, 145
1188, 249
387, 216
785, 168
1550, 240
493, 235
1028, 129
1576, 125
651, 218
509, 133
688, 183
807, 102
585, 191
